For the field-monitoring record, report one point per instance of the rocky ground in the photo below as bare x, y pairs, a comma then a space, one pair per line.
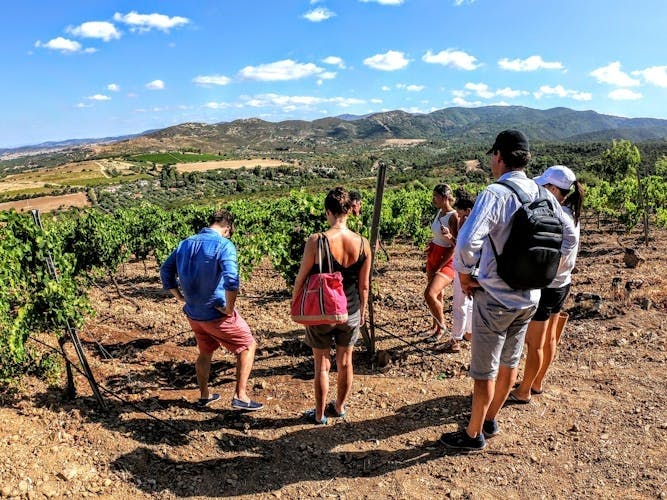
599, 430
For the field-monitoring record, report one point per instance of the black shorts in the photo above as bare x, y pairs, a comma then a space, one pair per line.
551, 302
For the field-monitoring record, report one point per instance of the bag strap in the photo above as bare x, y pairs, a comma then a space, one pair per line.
520, 194
323, 247
514, 187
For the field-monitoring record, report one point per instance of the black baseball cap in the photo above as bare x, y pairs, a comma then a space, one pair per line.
510, 140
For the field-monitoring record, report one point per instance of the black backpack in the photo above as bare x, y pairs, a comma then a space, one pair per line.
532, 253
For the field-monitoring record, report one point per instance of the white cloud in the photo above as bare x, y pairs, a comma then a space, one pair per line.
481, 89
510, 93
291, 103
415, 88
461, 101
624, 95
95, 29
280, 71
345, 102
319, 14
113, 87
452, 58
385, 88
83, 105
560, 91
458, 3
334, 61
655, 75
410, 88
98, 97
208, 80
613, 75
376, 101
384, 2
532, 63
146, 22
218, 105
63, 45
389, 61
155, 85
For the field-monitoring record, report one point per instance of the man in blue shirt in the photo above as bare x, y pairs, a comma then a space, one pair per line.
207, 270
500, 313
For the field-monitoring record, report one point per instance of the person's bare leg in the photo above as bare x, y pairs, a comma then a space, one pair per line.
345, 376
549, 352
244, 361
321, 379
503, 386
482, 395
433, 296
203, 369
535, 335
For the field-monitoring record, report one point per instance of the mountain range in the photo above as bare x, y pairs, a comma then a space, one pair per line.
454, 124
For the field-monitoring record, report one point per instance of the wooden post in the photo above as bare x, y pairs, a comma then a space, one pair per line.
73, 336
375, 227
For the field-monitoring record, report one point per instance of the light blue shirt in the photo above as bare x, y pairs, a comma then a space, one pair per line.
206, 265
491, 218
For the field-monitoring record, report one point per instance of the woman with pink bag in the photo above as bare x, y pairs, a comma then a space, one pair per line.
350, 255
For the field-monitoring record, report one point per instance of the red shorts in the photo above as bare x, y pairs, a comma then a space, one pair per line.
231, 332
435, 262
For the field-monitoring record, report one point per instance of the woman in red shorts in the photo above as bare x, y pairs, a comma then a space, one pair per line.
440, 255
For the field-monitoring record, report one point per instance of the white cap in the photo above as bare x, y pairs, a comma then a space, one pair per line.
558, 175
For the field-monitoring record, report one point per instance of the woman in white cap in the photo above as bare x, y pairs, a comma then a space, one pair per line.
547, 325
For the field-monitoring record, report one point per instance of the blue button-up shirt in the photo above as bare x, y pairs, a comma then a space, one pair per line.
206, 265
491, 218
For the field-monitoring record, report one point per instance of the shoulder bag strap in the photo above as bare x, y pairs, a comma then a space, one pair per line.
512, 186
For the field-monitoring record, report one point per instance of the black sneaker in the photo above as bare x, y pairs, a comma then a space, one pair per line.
490, 428
460, 441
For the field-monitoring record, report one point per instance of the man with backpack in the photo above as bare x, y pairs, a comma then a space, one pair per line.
507, 249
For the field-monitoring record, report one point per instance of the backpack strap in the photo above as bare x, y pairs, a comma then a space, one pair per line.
514, 187
520, 194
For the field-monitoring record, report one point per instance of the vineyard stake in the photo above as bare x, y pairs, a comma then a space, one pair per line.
369, 337
73, 336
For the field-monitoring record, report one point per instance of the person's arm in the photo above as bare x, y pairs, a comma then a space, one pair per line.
471, 238
307, 262
168, 277
230, 277
177, 293
364, 282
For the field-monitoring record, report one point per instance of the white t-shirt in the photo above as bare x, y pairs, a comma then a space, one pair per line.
441, 220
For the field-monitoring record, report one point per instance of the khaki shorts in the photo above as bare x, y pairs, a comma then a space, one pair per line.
498, 334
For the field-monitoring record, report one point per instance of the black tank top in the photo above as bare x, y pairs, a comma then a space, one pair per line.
350, 275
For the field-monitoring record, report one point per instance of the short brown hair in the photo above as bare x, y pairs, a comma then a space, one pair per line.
222, 217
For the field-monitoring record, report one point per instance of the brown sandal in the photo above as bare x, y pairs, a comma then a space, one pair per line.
451, 346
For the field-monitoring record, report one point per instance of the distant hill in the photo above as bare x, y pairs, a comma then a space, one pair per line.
454, 124
55, 146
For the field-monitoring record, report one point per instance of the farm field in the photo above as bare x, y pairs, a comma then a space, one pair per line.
85, 173
48, 203
215, 165
599, 430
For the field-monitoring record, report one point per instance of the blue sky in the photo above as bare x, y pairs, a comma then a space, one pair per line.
75, 69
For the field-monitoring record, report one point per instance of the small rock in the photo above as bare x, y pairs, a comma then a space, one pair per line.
574, 428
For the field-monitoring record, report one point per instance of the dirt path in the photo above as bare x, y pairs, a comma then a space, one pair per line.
599, 431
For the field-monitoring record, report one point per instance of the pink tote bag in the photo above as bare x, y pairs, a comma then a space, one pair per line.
321, 300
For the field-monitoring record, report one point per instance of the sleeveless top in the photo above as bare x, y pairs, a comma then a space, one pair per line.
350, 275
441, 220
